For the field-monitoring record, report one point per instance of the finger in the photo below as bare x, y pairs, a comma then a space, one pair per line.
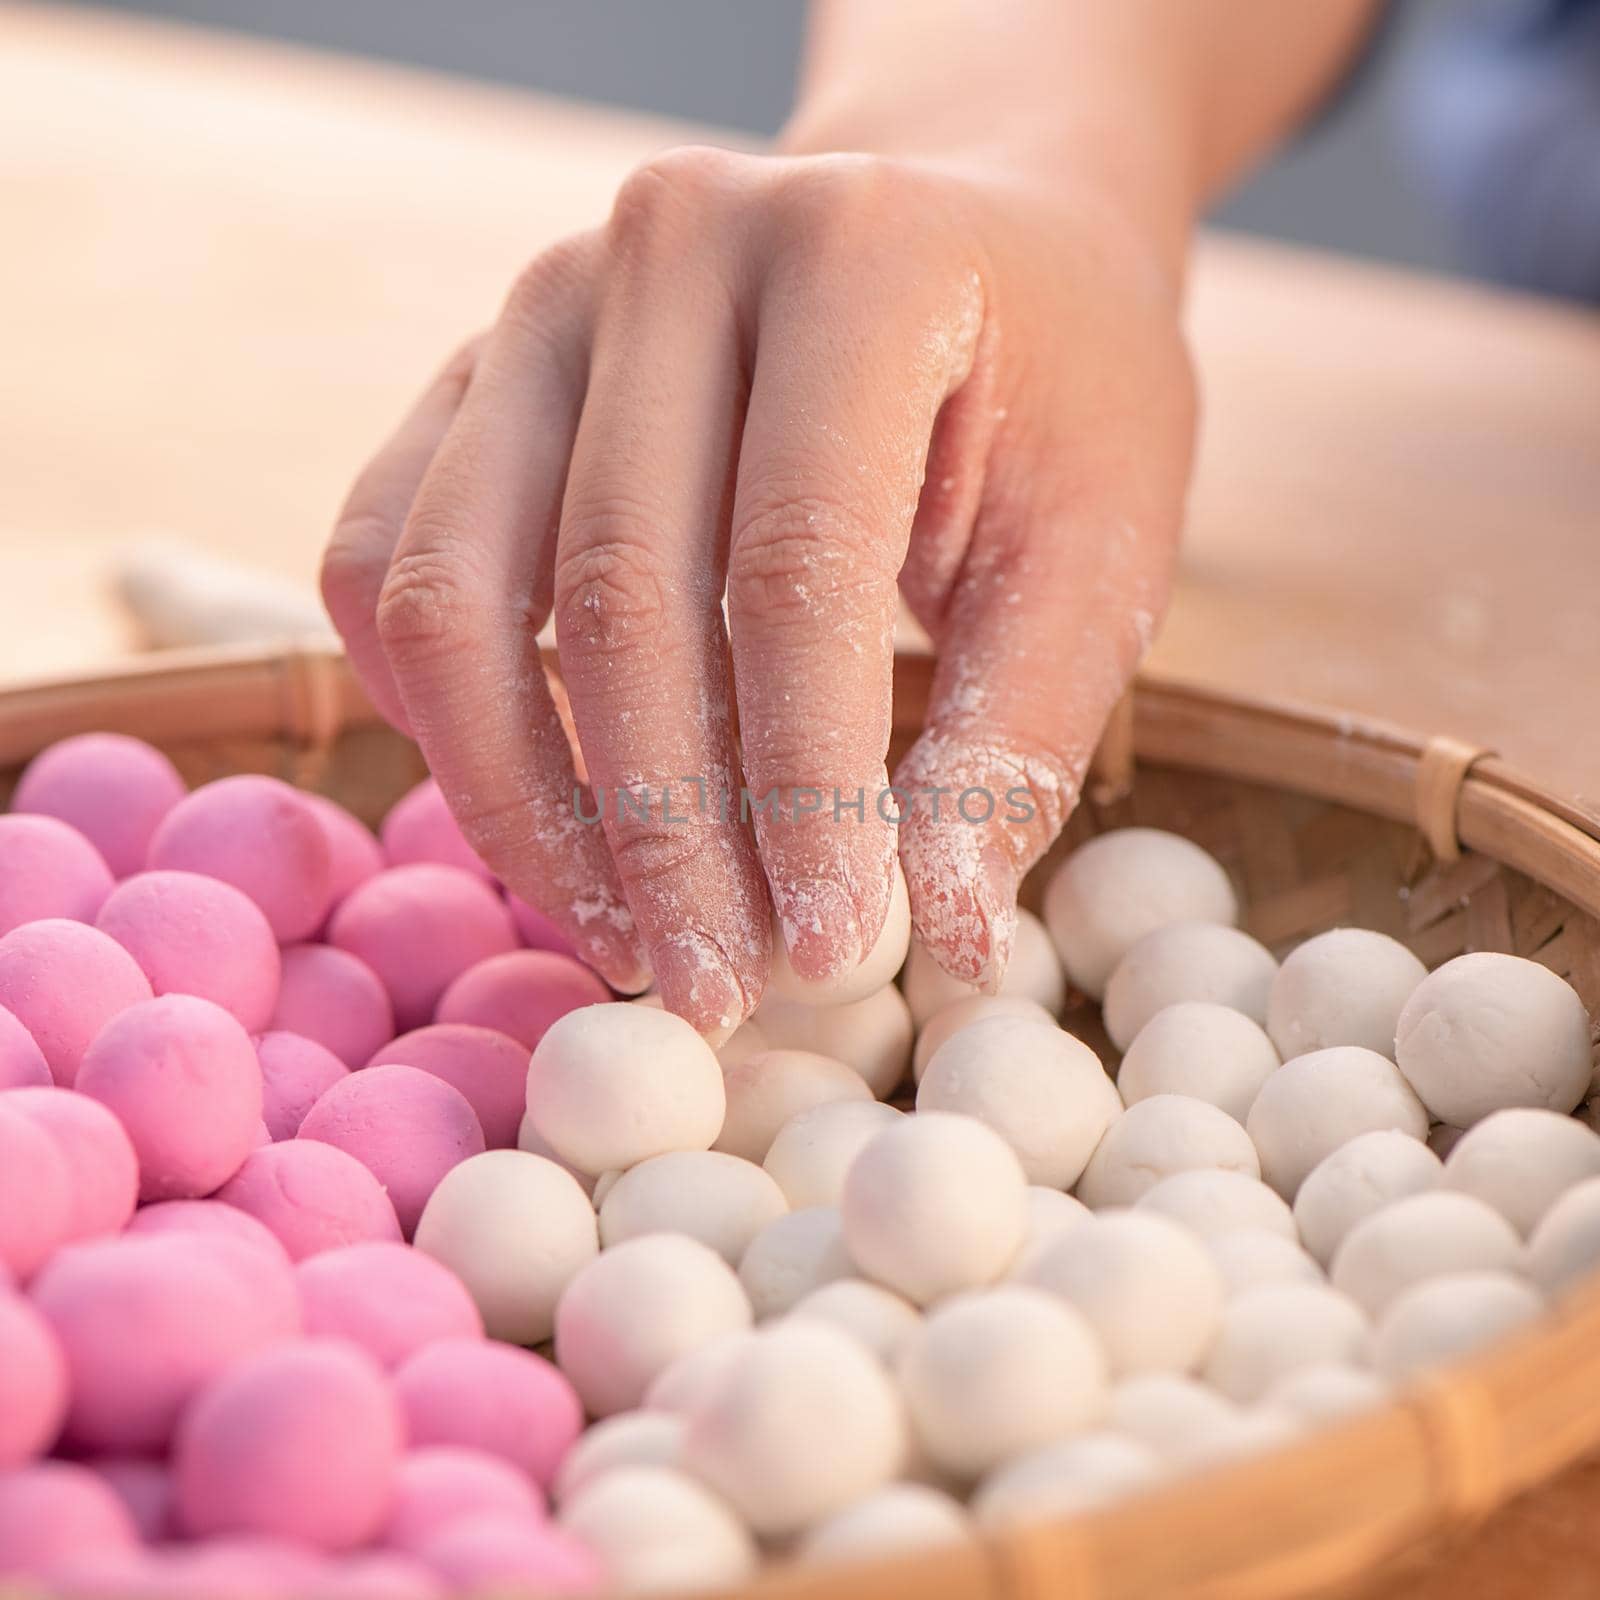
638, 589
849, 379
369, 526
461, 608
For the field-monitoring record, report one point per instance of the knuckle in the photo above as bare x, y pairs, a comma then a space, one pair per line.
610, 590
651, 851
791, 550
542, 291
835, 202
657, 197
424, 608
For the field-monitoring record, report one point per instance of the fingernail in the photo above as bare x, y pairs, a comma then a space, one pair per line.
821, 930
697, 981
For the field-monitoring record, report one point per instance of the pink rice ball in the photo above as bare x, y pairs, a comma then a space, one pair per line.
489, 1068
421, 828
521, 993
144, 1486
114, 790
298, 1442
211, 1219
406, 1127
195, 935
353, 848
236, 1568
22, 1062
419, 928
64, 981
54, 1510
48, 869
494, 1397
495, 1551
36, 1202
146, 1322
311, 1196
440, 1484
382, 1575
262, 837
295, 1073
102, 1166
183, 1077
335, 998
537, 931
388, 1298
33, 1382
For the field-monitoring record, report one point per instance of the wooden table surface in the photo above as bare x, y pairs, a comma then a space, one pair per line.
228, 265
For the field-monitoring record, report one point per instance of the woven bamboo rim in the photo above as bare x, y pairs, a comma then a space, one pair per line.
1320, 1517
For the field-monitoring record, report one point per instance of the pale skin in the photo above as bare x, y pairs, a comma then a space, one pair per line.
930, 347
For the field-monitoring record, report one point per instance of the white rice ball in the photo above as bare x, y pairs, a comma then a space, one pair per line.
1422, 1236
611, 1085
1170, 1414
768, 1088
1157, 1137
1314, 1104
879, 1318
804, 1422
1250, 1257
684, 1380
1202, 1049
1448, 1318
1488, 1031
997, 1372
1521, 1161
1147, 1287
657, 1531
1278, 1328
1043, 1091
793, 1255
530, 1143
635, 1309
628, 1439
872, 1036
1061, 1479
1359, 1178
876, 969
1210, 1200
1565, 1247
934, 1204
1328, 1392
1241, 1437
1032, 973
903, 1517
718, 1199
745, 1041
1050, 1214
1187, 961
814, 1149
1347, 986
1115, 888
951, 1019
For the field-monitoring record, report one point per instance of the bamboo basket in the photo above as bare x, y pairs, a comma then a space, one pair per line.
1319, 822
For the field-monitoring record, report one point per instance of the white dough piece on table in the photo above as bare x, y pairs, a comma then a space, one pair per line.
1187, 961
1522, 1160
959, 1014
1050, 1214
1565, 1247
1448, 1318
1090, 1469
815, 1149
792, 1256
767, 1088
876, 969
1370, 1172
1346, 986
1250, 1257
721, 1200
1168, 1413
627, 1439
1157, 1137
902, 1517
1278, 1328
1033, 973
1202, 1049
882, 1320
1211, 1200
871, 1036
1328, 1392
685, 1380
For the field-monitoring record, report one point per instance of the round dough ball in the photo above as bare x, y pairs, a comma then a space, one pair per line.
1172, 1415
37, 1206
145, 1488
1521, 1161
681, 1384
1249, 1257
1158, 1137
489, 1068
769, 1087
57, 1511
262, 837
1565, 1247
951, 1019
1344, 987
611, 1085
881, 1320
1032, 973
312, 1196
181, 1076
997, 1372
793, 1255
1043, 1091
51, 871
1212, 1200
1359, 1178
814, 1150
745, 1041
335, 998
871, 1036
1314, 1104
1278, 1328
1423, 1236
1487, 1031
629, 1439
501, 1553
353, 852
1198, 1048
440, 1484
419, 928
22, 1062
114, 790
33, 1382
102, 1167
1065, 1478
718, 1199
1050, 1214
1449, 1317
637, 1307
1328, 1392
520, 993
1187, 961
295, 1074
515, 1229
902, 1518
420, 827
876, 968
194, 935
657, 1530
803, 1423
1145, 1285
213, 1218
933, 1204
300, 1442
1117, 887
537, 930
